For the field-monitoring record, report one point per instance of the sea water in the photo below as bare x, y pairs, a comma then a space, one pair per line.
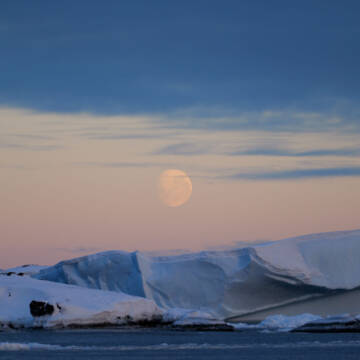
172, 344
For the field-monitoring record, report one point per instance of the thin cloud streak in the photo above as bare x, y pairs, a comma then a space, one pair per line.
184, 149
32, 136
189, 149
32, 147
299, 174
121, 164
124, 137
347, 152
269, 120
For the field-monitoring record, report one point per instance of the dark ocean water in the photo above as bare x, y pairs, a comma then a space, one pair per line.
166, 344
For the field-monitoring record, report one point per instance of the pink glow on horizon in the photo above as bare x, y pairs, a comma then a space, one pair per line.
73, 199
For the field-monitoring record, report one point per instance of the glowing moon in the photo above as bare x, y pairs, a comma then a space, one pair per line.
175, 187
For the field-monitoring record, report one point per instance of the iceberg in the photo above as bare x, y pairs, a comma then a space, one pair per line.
67, 305
315, 274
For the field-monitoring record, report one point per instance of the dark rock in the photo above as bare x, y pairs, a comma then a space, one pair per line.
10, 273
20, 274
41, 308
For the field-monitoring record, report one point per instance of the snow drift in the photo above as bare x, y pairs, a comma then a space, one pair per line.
316, 273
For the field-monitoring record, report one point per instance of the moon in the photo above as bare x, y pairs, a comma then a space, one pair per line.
175, 187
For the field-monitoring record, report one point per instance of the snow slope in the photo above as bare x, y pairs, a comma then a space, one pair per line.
72, 304
290, 276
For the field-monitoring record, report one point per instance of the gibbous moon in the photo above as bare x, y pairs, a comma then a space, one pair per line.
175, 187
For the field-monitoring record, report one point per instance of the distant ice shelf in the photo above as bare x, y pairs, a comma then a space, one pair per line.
316, 274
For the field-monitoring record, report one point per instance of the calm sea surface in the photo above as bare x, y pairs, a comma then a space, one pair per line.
165, 344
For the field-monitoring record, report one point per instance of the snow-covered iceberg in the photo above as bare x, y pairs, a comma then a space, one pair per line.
69, 305
316, 274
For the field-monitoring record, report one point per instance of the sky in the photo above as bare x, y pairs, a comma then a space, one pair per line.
257, 101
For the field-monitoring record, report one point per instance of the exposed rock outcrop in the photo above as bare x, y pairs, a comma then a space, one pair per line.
41, 308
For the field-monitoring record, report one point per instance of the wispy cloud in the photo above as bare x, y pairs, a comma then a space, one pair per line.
121, 164
32, 136
273, 120
298, 174
122, 136
31, 147
276, 151
184, 149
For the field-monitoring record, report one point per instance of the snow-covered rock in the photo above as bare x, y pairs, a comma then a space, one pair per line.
315, 273
73, 305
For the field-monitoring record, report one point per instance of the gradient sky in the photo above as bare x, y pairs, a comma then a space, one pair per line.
258, 101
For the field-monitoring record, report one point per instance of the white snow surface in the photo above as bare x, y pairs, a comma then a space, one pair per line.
225, 284
77, 305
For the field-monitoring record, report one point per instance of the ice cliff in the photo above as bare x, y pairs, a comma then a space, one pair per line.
316, 273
